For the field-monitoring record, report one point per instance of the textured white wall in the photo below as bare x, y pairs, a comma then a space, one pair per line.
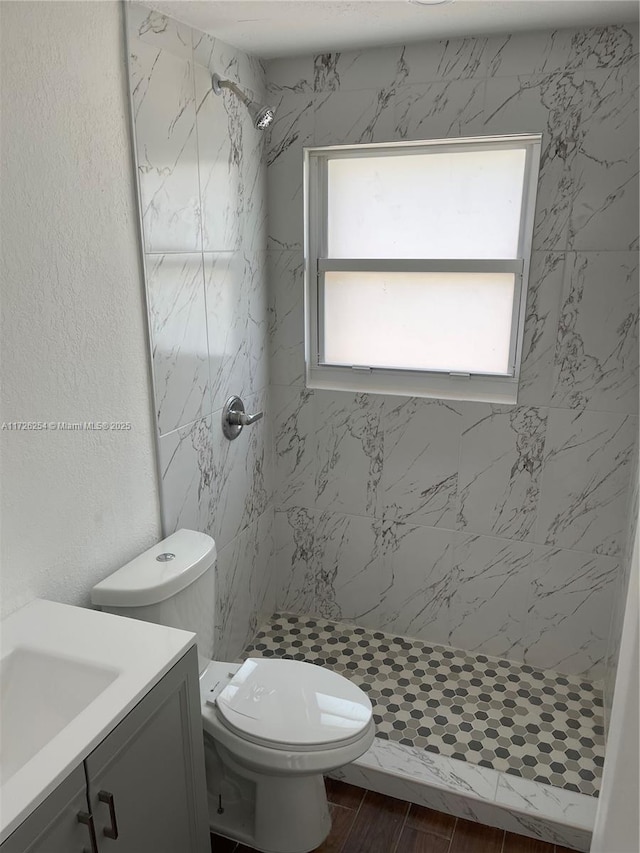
75, 505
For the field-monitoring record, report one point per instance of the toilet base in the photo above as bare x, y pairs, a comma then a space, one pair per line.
274, 814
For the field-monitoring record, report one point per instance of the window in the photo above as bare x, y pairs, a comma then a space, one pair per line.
417, 257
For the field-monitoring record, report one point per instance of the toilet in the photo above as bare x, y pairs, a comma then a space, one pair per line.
272, 727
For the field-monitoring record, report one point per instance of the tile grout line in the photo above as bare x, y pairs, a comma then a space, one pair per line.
402, 826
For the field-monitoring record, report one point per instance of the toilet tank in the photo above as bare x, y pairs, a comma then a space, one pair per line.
171, 584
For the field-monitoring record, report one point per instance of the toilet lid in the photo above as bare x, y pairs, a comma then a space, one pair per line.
294, 703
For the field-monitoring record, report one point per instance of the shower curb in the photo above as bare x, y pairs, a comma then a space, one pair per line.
475, 793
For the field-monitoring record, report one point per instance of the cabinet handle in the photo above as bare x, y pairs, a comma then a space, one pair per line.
87, 820
106, 797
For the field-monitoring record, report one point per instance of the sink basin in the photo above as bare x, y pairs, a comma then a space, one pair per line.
68, 676
40, 694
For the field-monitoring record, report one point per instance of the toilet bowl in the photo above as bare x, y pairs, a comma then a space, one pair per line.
272, 727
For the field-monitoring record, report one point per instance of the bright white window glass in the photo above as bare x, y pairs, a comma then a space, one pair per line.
449, 204
420, 321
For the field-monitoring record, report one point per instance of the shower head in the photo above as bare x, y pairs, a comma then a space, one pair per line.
262, 115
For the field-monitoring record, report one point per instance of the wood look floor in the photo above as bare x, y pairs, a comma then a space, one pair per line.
366, 822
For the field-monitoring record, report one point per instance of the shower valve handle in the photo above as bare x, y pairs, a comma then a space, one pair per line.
243, 419
234, 418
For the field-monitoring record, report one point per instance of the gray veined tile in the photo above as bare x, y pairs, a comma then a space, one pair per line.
186, 469
586, 476
372, 68
228, 62
350, 448
500, 468
166, 146
291, 74
569, 611
557, 51
292, 128
349, 577
596, 360
418, 581
440, 109
540, 328
175, 288
295, 447
352, 118
296, 560
241, 482
491, 584
158, 31
286, 317
222, 160
605, 204
421, 455
447, 59
551, 105
227, 295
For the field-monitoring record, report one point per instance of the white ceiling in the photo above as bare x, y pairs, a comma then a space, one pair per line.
271, 28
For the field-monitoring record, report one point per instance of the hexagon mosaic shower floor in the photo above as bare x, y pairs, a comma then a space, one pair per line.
531, 723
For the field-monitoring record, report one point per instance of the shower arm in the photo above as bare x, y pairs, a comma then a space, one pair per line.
228, 84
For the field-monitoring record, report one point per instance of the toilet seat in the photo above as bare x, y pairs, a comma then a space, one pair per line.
292, 705
289, 705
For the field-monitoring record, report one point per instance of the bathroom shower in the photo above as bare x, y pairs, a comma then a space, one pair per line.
262, 115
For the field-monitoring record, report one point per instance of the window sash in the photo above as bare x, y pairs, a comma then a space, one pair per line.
501, 387
360, 265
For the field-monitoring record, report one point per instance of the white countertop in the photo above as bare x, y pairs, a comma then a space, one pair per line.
134, 654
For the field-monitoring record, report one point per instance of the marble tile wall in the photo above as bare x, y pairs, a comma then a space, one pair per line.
202, 188
495, 529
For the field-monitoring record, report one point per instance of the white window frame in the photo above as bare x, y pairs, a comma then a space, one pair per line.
498, 388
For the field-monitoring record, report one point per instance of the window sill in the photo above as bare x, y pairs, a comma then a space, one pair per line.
481, 389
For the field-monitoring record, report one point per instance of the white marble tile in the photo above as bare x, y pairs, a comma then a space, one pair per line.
417, 581
296, 561
372, 68
175, 288
569, 611
237, 323
350, 451
421, 455
186, 466
585, 480
292, 74
157, 30
166, 145
540, 328
221, 160
441, 109
349, 578
218, 57
560, 50
551, 105
245, 591
490, 590
427, 768
286, 317
447, 59
596, 360
500, 468
557, 803
241, 481
605, 204
533, 826
295, 447
350, 118
292, 128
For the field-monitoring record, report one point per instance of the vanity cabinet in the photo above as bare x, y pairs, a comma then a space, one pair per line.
142, 790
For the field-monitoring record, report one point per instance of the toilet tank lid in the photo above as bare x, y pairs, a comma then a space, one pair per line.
158, 573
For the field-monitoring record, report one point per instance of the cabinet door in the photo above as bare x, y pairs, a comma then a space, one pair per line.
146, 779
53, 827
